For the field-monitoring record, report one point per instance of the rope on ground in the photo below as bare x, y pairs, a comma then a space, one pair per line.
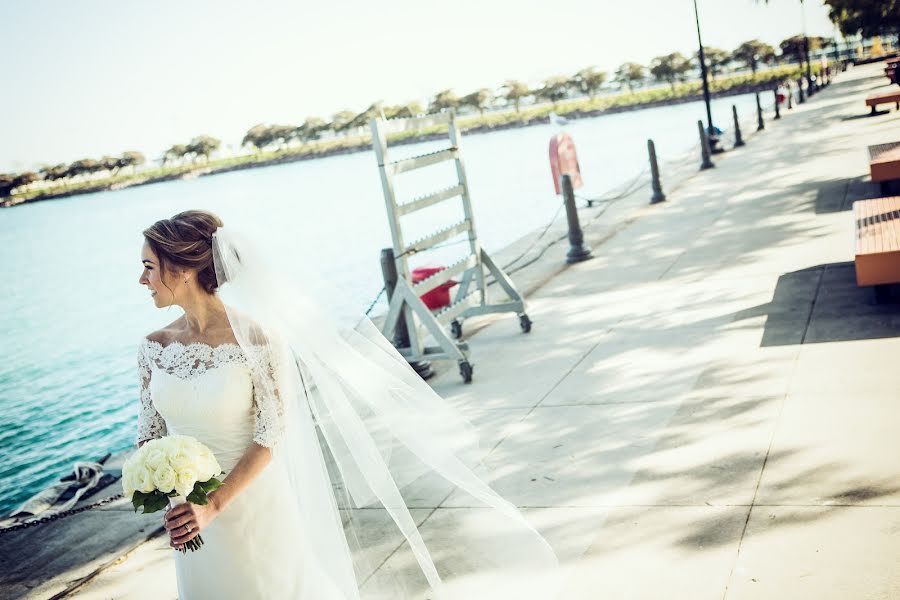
60, 515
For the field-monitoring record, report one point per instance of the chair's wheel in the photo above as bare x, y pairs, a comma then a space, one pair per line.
525, 323
465, 369
456, 328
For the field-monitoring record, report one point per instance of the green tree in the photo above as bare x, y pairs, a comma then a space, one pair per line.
110, 163
203, 145
670, 68
311, 129
403, 111
865, 17
131, 158
753, 53
443, 100
256, 136
479, 99
282, 134
375, 110
795, 46
55, 172
340, 120
630, 74
554, 89
6, 184
175, 153
716, 59
85, 166
588, 81
26, 178
514, 91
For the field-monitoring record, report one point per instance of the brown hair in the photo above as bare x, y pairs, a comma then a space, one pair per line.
185, 240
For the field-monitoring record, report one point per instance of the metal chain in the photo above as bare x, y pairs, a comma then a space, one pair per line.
59, 515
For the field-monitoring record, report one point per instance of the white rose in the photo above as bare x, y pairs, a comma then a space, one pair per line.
164, 478
181, 461
143, 479
127, 485
155, 458
187, 477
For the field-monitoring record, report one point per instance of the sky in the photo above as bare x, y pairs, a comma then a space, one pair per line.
88, 78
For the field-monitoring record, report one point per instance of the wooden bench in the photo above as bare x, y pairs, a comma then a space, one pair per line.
877, 255
884, 163
877, 98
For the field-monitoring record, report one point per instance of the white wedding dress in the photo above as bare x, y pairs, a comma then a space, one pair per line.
251, 548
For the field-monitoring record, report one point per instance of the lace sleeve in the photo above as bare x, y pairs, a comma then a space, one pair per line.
151, 425
268, 405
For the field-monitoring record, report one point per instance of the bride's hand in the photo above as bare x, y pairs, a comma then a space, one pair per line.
195, 516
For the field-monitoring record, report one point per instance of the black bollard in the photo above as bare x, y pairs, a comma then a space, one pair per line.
738, 137
800, 89
658, 195
777, 107
705, 162
401, 333
577, 250
760, 124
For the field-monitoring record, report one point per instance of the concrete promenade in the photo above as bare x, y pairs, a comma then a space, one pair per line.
708, 409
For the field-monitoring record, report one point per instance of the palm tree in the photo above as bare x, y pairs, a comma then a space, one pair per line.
311, 129
716, 58
514, 90
589, 80
554, 89
203, 145
752, 53
479, 99
630, 74
443, 100
175, 153
670, 68
340, 120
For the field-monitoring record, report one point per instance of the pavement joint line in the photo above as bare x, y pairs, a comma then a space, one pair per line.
573, 367
401, 544
762, 470
812, 306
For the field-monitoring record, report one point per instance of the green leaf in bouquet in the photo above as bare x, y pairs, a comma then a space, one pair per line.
156, 501
198, 495
211, 485
137, 499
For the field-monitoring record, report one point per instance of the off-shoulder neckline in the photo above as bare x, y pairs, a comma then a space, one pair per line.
189, 344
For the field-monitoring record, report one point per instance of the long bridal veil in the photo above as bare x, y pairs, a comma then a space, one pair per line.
362, 435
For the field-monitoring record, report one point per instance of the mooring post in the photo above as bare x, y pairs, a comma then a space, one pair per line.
577, 250
760, 124
658, 195
738, 136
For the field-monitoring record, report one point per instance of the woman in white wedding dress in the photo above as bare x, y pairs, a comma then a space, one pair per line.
195, 381
273, 383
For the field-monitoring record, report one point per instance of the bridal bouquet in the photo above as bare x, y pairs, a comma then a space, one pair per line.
175, 466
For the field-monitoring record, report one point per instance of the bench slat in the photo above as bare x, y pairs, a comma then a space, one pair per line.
877, 232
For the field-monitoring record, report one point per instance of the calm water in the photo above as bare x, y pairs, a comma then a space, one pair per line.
73, 313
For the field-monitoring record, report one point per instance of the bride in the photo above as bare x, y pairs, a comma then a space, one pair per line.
320, 427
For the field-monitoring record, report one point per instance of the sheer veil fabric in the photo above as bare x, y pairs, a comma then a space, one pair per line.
343, 390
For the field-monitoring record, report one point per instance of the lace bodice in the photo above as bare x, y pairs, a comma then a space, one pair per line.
189, 362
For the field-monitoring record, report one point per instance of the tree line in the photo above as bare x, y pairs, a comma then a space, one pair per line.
866, 17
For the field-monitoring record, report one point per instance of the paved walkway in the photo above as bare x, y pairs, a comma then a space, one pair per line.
707, 409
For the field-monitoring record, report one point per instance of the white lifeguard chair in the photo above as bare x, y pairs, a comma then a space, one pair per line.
406, 302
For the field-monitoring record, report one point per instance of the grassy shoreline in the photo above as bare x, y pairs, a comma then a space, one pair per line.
470, 124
